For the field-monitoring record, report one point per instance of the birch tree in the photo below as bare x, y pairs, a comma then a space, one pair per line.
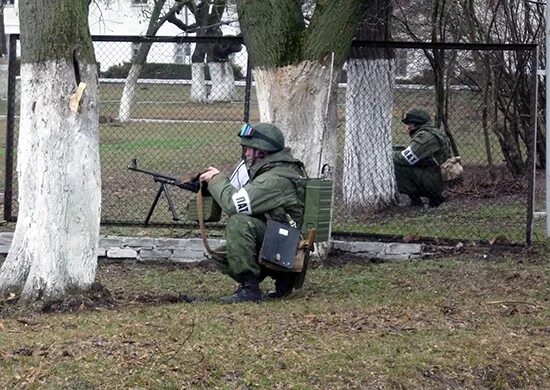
54, 248
295, 62
368, 178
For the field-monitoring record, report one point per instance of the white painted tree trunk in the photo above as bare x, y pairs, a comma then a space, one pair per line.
223, 82
125, 109
300, 99
54, 247
368, 174
198, 83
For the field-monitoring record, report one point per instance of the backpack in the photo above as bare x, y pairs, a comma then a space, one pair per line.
451, 168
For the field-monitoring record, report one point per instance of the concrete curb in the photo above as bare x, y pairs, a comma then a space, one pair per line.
191, 250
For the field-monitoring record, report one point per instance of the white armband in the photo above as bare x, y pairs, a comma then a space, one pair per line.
242, 202
410, 156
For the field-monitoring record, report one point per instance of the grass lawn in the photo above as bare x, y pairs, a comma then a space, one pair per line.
463, 322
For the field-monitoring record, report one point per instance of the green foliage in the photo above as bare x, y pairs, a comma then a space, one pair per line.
152, 71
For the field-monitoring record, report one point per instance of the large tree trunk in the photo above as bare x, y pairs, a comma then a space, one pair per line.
155, 22
198, 83
368, 175
223, 82
54, 249
128, 93
295, 98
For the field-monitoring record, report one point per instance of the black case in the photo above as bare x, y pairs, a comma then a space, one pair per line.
280, 244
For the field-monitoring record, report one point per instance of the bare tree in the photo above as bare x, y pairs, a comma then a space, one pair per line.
442, 23
508, 76
54, 248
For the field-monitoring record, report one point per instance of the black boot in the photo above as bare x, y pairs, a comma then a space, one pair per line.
435, 201
284, 283
249, 291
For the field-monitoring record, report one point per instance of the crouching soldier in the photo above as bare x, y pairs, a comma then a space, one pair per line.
417, 167
271, 193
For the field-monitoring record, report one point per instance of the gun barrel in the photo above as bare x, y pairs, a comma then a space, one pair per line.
155, 174
192, 185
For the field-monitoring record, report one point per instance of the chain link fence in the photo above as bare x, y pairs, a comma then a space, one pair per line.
176, 116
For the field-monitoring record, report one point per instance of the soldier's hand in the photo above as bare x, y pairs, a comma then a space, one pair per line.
209, 174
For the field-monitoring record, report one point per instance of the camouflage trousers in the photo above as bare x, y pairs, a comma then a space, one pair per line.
419, 181
239, 256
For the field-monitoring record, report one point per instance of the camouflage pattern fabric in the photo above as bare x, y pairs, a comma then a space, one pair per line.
273, 190
417, 169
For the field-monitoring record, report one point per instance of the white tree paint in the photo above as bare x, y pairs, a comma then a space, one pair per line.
125, 109
368, 174
198, 83
223, 82
54, 247
300, 100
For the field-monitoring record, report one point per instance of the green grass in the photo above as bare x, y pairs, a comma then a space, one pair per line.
448, 221
447, 323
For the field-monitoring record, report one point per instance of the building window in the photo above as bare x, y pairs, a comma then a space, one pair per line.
8, 2
139, 2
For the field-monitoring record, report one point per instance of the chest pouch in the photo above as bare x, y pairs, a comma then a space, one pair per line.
280, 246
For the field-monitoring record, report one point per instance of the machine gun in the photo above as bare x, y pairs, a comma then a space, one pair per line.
164, 181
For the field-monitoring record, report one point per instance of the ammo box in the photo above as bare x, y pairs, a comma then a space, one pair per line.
317, 210
211, 210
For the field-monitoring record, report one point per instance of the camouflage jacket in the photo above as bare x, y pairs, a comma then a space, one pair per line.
429, 146
273, 188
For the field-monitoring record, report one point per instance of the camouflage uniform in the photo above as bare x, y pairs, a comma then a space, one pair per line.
271, 192
417, 169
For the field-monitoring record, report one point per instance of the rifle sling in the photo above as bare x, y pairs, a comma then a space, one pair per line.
200, 217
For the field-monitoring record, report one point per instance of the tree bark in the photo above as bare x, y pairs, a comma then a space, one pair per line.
368, 174
54, 249
368, 178
223, 82
295, 66
301, 99
128, 93
198, 83
127, 98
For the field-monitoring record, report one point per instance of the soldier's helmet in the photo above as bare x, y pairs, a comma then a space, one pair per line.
262, 136
416, 117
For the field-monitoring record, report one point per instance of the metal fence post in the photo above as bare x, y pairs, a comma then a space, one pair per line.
10, 129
